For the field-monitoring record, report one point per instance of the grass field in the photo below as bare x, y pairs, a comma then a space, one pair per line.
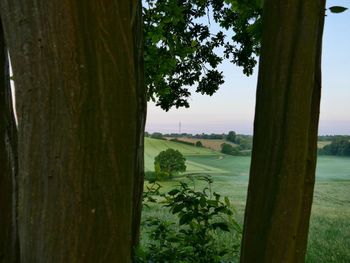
322, 144
214, 144
329, 237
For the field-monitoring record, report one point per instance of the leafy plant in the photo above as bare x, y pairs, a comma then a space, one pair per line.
201, 215
150, 193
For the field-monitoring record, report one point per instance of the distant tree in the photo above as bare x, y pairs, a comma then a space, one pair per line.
244, 143
157, 135
170, 162
340, 147
183, 142
346, 151
199, 144
227, 148
212, 136
231, 136
333, 137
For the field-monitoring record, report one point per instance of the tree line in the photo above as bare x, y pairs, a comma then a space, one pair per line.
338, 147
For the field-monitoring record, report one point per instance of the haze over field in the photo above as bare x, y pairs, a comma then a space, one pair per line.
329, 229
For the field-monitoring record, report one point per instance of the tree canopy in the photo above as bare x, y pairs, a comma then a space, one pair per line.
170, 162
183, 50
339, 147
231, 136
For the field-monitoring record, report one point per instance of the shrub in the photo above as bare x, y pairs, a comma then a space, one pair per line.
229, 149
157, 135
183, 142
194, 237
339, 147
199, 144
150, 176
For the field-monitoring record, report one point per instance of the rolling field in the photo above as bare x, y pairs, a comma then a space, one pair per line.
214, 144
322, 144
329, 236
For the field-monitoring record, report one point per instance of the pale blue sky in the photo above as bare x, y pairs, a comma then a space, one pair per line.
232, 107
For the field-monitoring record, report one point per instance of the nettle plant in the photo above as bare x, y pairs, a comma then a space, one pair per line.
202, 218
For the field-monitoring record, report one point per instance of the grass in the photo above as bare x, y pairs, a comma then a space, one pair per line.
329, 234
154, 147
214, 144
322, 144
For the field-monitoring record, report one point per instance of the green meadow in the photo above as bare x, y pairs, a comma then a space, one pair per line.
329, 236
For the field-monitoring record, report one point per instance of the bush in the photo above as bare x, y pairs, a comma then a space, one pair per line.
183, 142
157, 135
229, 149
245, 142
150, 176
340, 147
202, 215
199, 144
212, 136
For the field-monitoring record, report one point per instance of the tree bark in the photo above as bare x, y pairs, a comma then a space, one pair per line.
81, 112
8, 163
283, 164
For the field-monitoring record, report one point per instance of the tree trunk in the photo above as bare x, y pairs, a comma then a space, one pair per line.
283, 164
81, 111
8, 163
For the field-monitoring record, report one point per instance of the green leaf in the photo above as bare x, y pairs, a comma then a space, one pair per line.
202, 201
174, 192
260, 3
173, 239
217, 196
213, 203
220, 209
178, 208
221, 225
185, 219
337, 9
227, 201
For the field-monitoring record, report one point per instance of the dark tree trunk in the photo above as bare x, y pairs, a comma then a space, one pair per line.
140, 135
81, 112
8, 163
282, 172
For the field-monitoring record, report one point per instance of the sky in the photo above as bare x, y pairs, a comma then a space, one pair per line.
232, 107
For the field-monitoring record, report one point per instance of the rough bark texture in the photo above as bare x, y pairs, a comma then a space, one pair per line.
8, 163
282, 172
81, 112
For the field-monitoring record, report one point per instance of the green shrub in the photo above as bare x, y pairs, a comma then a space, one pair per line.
159, 173
150, 176
229, 149
199, 144
183, 142
193, 238
340, 147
